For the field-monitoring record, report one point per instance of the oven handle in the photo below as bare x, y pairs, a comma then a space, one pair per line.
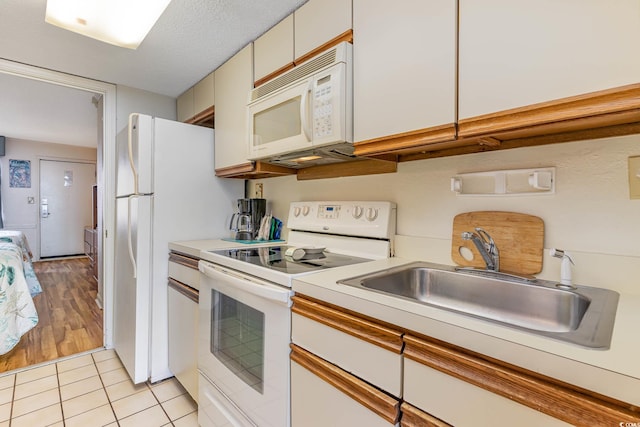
247, 284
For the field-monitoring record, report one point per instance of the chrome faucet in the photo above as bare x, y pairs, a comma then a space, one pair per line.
486, 246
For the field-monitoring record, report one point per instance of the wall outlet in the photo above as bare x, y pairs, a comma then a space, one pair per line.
258, 190
634, 177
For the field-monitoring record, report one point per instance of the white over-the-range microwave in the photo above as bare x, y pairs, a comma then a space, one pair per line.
304, 117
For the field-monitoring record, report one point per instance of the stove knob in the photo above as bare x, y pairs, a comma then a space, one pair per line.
296, 211
371, 214
305, 210
357, 212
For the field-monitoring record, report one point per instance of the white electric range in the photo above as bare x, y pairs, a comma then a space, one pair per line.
245, 300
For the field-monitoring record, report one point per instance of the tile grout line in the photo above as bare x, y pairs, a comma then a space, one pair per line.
105, 391
60, 393
160, 403
13, 398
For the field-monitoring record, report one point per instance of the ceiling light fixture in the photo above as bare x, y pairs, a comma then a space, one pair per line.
122, 23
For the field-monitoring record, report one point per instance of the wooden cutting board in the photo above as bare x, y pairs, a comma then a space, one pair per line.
519, 238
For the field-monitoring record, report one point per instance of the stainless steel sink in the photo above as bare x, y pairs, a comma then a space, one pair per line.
578, 314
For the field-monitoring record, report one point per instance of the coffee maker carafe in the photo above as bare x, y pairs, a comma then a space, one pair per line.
246, 222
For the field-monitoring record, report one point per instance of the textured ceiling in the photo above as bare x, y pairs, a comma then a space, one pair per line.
191, 38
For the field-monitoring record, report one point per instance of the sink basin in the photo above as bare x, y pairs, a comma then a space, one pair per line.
577, 314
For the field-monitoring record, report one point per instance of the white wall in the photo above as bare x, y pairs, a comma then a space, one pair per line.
18, 213
132, 100
590, 215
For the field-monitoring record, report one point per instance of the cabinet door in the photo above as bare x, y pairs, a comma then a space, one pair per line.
183, 335
184, 106
405, 73
460, 403
325, 395
204, 94
514, 54
318, 22
273, 51
233, 81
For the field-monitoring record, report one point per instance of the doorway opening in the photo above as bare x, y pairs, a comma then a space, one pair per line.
76, 298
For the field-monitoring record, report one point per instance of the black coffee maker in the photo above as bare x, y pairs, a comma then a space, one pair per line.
246, 222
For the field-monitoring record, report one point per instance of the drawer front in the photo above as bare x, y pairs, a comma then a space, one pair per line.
352, 354
460, 403
184, 274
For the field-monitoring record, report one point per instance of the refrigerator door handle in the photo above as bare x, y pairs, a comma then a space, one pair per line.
129, 240
131, 162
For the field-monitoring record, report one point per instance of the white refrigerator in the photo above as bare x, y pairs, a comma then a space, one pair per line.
166, 191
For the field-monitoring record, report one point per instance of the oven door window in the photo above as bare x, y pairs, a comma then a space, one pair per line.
237, 338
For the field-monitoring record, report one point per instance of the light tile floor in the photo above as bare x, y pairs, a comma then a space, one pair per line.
91, 390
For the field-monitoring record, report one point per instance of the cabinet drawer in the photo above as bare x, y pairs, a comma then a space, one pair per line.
183, 272
345, 340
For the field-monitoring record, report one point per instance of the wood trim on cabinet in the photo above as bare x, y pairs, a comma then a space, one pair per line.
414, 417
549, 397
407, 140
185, 260
253, 170
373, 333
355, 168
531, 141
594, 104
382, 404
273, 74
186, 290
347, 36
204, 118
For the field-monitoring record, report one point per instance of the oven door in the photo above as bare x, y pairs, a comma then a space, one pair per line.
243, 346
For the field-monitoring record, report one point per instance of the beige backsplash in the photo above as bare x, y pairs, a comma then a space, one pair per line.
590, 215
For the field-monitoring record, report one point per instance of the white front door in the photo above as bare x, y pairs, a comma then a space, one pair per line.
65, 206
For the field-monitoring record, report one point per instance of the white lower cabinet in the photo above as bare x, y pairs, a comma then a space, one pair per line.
347, 351
183, 322
462, 404
336, 378
318, 403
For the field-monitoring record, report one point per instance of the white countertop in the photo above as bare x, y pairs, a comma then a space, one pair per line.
194, 247
614, 372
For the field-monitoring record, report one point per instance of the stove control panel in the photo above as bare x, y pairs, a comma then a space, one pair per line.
351, 218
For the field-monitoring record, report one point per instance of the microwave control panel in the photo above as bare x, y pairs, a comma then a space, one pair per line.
323, 107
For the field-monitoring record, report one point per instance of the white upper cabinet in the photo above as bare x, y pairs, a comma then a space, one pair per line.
204, 94
319, 21
184, 106
404, 66
274, 49
514, 54
196, 99
234, 80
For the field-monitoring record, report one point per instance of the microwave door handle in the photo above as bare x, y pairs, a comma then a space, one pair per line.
304, 111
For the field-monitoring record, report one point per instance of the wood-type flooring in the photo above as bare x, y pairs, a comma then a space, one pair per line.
70, 321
